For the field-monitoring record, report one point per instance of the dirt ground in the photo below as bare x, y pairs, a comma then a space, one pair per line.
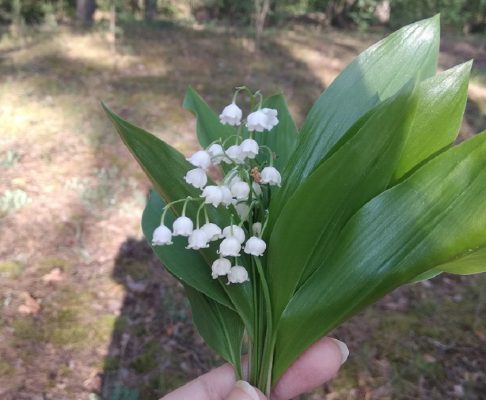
86, 311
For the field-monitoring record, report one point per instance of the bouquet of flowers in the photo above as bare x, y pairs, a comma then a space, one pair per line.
280, 235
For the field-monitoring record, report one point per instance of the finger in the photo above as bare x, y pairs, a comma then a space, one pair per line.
244, 391
318, 364
215, 385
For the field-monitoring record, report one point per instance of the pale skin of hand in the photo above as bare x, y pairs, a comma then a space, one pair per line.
317, 365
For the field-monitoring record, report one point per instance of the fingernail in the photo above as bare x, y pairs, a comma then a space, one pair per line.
343, 349
243, 391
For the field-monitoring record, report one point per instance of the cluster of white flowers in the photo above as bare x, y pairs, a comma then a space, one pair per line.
240, 190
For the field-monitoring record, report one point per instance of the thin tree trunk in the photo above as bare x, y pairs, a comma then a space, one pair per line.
84, 11
261, 10
150, 8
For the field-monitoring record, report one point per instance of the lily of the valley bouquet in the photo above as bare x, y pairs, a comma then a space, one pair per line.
279, 235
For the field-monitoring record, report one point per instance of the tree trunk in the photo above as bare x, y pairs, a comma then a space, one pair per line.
150, 8
85, 10
261, 10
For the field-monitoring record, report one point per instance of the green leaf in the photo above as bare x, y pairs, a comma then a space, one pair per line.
187, 266
428, 220
442, 100
472, 262
282, 138
166, 168
360, 169
375, 75
221, 328
209, 129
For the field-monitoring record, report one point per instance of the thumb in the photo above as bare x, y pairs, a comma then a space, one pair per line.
244, 391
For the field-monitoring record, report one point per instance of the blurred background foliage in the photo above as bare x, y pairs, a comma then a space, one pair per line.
467, 16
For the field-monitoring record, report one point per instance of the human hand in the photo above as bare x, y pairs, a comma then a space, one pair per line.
317, 365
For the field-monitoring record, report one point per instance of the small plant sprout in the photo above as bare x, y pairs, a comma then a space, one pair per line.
290, 232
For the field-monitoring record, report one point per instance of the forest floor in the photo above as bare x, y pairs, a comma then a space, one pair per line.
86, 312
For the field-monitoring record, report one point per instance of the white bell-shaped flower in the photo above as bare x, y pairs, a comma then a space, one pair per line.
200, 159
196, 177
231, 115
220, 267
230, 247
263, 119
234, 178
198, 239
234, 231
161, 236
213, 231
257, 228
182, 226
216, 153
249, 148
256, 188
234, 154
227, 196
238, 274
212, 195
255, 246
271, 176
243, 210
240, 190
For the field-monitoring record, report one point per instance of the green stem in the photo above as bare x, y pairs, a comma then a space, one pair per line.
197, 215
264, 379
167, 207
270, 154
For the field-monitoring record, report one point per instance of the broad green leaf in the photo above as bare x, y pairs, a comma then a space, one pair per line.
472, 262
282, 138
220, 327
375, 75
428, 220
166, 168
209, 129
359, 170
189, 267
442, 100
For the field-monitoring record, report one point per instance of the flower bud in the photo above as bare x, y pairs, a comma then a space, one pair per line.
216, 153
257, 228
162, 235
238, 274
240, 190
200, 159
220, 267
212, 195
230, 247
196, 177
212, 230
234, 231
249, 148
198, 239
256, 188
231, 115
182, 226
271, 176
235, 155
243, 210
255, 246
